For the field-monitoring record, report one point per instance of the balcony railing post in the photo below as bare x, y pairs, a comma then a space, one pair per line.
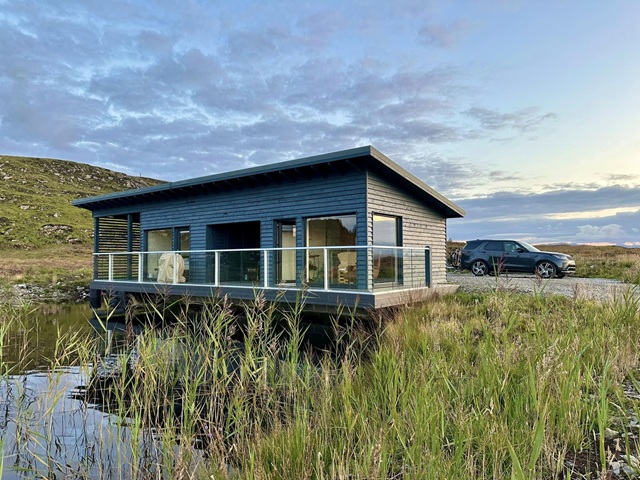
175, 267
111, 267
216, 268
325, 255
140, 268
265, 280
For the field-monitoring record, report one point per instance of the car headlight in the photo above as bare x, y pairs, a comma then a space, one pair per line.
561, 257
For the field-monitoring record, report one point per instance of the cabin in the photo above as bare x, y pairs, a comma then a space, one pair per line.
349, 229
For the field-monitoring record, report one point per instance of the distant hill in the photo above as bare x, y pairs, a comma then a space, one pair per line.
36, 195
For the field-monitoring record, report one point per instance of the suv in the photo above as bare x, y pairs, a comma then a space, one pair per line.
483, 256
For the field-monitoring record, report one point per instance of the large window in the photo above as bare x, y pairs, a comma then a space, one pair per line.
160, 240
338, 230
386, 230
387, 262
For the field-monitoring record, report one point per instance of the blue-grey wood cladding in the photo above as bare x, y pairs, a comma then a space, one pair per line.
421, 225
297, 199
360, 191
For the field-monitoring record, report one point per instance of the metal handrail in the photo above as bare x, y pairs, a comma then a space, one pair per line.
264, 264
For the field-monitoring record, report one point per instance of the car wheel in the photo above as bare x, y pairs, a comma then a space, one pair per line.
546, 270
479, 268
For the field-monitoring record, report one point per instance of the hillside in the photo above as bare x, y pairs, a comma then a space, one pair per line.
36, 195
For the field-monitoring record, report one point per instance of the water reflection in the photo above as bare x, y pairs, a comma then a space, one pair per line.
32, 338
46, 431
51, 425
171, 402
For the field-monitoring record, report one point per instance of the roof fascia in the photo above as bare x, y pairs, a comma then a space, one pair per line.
409, 177
270, 168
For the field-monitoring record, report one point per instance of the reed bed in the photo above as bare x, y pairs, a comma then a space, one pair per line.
497, 385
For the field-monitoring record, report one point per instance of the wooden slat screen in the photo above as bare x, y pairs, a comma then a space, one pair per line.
113, 236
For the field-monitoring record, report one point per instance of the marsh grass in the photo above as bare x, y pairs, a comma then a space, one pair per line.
594, 261
613, 262
497, 385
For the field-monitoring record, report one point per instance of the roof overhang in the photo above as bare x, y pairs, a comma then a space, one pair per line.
308, 167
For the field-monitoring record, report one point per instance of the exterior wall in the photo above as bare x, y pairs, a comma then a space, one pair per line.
290, 200
361, 192
296, 199
421, 225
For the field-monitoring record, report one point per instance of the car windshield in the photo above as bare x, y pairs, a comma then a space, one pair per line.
529, 247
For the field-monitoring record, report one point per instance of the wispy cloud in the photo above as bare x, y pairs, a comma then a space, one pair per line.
178, 89
577, 216
524, 120
149, 86
444, 35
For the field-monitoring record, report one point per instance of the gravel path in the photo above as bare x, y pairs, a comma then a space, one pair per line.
588, 288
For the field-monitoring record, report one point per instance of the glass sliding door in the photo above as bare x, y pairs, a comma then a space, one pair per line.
159, 266
285, 259
341, 267
157, 241
240, 262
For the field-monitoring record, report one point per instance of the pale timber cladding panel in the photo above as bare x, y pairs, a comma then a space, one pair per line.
421, 225
296, 199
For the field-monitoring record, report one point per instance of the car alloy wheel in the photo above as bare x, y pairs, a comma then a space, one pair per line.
546, 270
479, 268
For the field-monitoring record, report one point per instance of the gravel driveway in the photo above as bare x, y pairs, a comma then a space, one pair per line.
588, 288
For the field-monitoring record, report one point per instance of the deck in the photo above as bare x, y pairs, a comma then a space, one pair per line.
325, 278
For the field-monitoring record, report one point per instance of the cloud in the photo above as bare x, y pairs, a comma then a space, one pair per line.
150, 85
524, 120
503, 204
606, 232
615, 214
628, 179
444, 35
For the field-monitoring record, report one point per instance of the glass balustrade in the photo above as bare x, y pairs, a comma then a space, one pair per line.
366, 268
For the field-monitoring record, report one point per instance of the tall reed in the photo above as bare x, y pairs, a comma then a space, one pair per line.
496, 385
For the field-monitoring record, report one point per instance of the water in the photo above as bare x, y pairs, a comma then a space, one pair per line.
50, 428
47, 430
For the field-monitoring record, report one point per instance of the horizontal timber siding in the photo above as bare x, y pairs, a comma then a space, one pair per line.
289, 200
421, 225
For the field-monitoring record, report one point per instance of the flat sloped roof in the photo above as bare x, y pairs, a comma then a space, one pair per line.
185, 187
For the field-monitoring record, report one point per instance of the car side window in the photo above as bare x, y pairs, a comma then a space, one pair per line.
494, 246
510, 247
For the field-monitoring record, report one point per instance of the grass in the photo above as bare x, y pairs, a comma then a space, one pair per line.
45, 240
613, 262
30, 220
497, 385
69, 264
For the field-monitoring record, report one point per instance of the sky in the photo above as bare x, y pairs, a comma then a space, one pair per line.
524, 113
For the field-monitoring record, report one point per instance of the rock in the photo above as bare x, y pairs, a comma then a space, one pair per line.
610, 434
631, 461
629, 472
51, 229
615, 466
